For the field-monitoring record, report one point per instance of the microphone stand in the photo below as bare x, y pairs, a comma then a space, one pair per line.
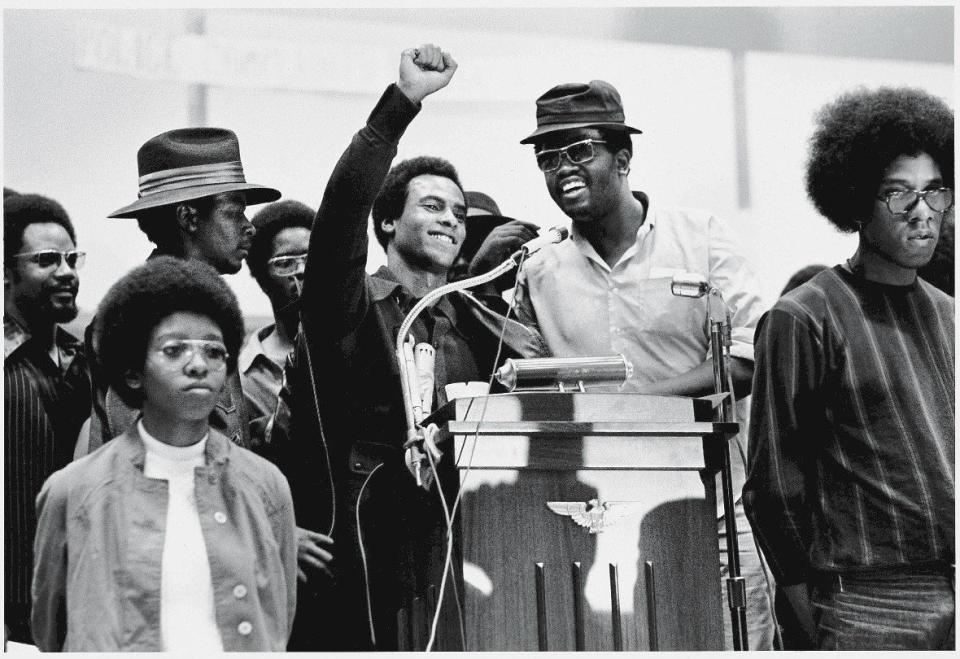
695, 286
414, 414
722, 381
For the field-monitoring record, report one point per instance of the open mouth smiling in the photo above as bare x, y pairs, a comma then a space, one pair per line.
572, 184
442, 237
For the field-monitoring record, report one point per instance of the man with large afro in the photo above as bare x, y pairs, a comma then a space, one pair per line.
850, 485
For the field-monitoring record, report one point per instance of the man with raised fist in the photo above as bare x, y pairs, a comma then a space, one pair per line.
340, 427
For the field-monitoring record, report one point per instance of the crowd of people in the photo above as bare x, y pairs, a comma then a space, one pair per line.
174, 481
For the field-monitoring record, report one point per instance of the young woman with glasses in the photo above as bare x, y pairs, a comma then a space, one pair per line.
168, 537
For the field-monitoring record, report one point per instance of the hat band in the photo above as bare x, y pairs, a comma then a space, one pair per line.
572, 117
189, 177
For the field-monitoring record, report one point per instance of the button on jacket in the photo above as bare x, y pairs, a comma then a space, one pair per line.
99, 546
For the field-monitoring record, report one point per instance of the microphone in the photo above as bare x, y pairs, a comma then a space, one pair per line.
424, 358
548, 237
689, 284
412, 380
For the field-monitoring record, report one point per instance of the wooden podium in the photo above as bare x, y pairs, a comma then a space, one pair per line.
589, 521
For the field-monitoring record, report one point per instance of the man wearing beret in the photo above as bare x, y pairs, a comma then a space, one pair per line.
616, 272
192, 205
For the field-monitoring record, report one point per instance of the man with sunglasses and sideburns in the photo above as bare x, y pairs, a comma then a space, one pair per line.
45, 379
615, 273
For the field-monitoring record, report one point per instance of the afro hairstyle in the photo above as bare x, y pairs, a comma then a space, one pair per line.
146, 295
856, 138
22, 210
393, 195
270, 221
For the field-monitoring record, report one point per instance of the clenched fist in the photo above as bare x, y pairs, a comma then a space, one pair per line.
424, 70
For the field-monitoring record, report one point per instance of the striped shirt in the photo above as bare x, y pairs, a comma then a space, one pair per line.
44, 406
851, 462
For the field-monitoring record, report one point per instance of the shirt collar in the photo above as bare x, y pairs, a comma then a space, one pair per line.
130, 445
15, 335
169, 452
643, 231
253, 348
383, 284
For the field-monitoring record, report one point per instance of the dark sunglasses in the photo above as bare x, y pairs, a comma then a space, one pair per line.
577, 153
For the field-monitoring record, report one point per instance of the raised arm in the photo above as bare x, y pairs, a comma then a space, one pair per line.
334, 287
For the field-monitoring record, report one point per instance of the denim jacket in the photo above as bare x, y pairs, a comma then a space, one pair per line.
99, 545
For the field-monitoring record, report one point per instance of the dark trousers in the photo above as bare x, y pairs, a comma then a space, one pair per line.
16, 622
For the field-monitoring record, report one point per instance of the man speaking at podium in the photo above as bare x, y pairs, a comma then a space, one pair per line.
616, 270
344, 371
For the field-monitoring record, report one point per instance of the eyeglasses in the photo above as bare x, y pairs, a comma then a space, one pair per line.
577, 153
177, 353
52, 258
902, 201
284, 266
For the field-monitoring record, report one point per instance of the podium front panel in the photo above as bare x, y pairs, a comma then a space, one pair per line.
597, 542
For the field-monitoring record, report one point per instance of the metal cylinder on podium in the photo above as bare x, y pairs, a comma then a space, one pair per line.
558, 373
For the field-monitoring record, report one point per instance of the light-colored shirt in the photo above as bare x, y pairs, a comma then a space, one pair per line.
585, 308
188, 619
260, 376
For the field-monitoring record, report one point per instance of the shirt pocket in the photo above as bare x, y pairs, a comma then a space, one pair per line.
666, 317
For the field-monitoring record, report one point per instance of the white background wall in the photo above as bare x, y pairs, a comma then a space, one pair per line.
72, 133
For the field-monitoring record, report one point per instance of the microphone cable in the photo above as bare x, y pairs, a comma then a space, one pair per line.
316, 406
363, 557
323, 438
451, 514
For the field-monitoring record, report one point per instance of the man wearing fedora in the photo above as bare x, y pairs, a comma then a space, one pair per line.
616, 271
192, 205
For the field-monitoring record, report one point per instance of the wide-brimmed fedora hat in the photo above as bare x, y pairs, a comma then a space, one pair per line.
578, 105
190, 163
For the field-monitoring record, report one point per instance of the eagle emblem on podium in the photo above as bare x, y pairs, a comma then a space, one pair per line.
595, 514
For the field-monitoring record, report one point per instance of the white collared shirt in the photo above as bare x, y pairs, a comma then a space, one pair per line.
585, 308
